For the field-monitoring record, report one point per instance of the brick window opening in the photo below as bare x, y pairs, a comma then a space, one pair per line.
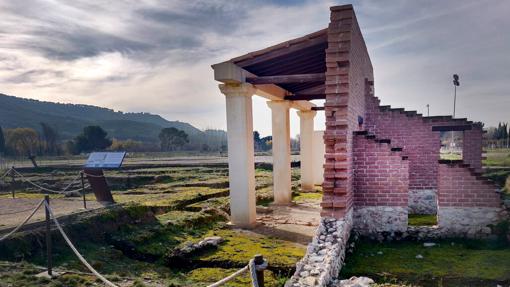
451, 145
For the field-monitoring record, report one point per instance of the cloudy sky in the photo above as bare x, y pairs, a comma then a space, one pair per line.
155, 56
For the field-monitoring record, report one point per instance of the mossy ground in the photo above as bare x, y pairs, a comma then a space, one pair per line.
181, 195
449, 263
422, 219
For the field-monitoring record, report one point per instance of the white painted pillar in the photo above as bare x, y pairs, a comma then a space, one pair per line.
319, 150
282, 188
306, 145
240, 153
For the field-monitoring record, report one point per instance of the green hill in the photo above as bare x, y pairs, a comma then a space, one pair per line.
69, 120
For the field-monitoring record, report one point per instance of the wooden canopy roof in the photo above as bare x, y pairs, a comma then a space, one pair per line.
297, 66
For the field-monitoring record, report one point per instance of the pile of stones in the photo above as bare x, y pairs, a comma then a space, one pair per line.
325, 255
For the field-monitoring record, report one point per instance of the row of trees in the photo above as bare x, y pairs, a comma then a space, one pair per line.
498, 137
29, 142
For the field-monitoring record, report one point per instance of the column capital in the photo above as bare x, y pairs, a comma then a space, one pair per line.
308, 114
279, 104
237, 89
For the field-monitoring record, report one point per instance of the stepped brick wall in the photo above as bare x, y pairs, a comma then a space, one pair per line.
381, 181
348, 70
406, 178
467, 203
460, 187
472, 147
414, 134
381, 176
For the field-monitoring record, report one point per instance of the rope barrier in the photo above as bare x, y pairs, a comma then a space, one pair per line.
80, 257
251, 267
230, 277
64, 191
6, 173
24, 221
16, 212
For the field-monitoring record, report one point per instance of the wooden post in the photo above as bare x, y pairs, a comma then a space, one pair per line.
83, 190
259, 260
48, 236
13, 182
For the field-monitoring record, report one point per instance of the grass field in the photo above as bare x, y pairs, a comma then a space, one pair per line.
188, 203
191, 203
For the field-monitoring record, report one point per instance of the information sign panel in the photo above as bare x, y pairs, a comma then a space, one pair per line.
105, 160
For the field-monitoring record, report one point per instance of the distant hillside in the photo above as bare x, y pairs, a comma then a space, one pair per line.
69, 120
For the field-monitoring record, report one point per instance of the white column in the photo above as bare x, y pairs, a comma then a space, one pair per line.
240, 153
282, 188
306, 146
319, 150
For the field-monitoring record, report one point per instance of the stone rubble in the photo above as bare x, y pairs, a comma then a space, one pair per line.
353, 282
325, 255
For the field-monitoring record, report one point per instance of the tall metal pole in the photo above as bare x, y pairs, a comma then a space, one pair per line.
428, 110
454, 99
48, 236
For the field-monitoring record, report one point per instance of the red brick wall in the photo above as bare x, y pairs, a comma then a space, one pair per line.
472, 147
414, 134
348, 67
458, 187
380, 175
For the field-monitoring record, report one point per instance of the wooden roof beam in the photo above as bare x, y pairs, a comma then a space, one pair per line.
286, 79
229, 73
306, 97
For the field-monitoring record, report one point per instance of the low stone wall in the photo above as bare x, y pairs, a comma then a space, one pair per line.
325, 255
423, 201
370, 220
468, 221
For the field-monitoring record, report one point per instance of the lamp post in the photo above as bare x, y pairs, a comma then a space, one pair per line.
456, 83
428, 110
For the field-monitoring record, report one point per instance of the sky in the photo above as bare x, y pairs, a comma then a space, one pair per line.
155, 56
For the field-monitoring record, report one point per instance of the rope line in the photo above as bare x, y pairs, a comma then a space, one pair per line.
253, 273
251, 267
24, 221
64, 191
6, 173
16, 212
80, 257
230, 277
93, 175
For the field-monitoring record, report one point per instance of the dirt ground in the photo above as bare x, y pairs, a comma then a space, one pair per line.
14, 211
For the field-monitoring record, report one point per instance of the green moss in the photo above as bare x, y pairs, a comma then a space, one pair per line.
307, 196
240, 246
467, 260
422, 219
206, 276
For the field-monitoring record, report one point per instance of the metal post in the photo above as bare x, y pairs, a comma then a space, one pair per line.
83, 190
13, 182
428, 110
259, 260
48, 236
454, 99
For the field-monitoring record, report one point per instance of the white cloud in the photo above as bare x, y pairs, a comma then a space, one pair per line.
155, 56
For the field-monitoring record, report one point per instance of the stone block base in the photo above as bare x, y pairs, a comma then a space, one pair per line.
423, 201
369, 220
469, 222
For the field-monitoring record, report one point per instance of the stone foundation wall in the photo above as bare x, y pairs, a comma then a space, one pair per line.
423, 201
325, 255
372, 220
468, 221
